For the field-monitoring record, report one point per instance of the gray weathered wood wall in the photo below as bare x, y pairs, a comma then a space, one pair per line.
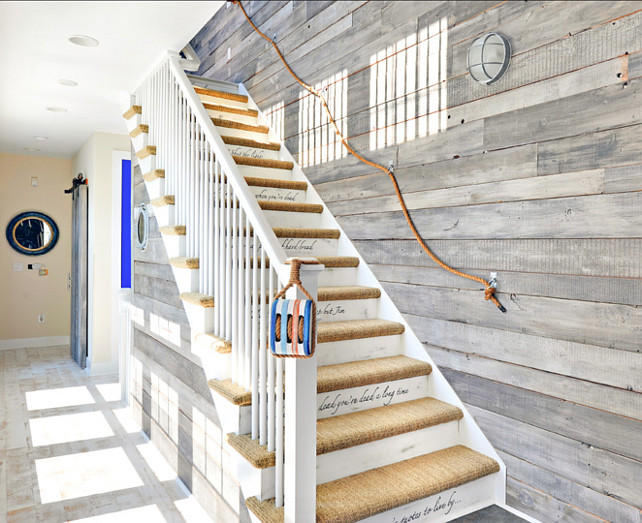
169, 395
536, 177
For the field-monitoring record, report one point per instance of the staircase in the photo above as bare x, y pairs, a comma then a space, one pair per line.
393, 441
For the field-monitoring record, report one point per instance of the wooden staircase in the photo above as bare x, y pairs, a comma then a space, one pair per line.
393, 441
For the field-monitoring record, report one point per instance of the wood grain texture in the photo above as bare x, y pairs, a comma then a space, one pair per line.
536, 177
600, 470
593, 426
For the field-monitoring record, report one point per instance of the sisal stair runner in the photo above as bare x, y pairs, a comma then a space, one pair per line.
261, 162
359, 428
196, 298
276, 184
231, 110
357, 497
221, 94
290, 207
183, 262
247, 142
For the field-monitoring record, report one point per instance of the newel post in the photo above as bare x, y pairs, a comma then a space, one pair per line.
300, 470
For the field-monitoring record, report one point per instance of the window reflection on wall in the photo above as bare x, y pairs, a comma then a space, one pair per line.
408, 95
318, 142
276, 119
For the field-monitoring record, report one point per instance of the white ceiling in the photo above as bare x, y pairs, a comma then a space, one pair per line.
35, 53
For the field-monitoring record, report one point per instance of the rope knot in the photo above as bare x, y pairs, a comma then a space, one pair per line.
489, 293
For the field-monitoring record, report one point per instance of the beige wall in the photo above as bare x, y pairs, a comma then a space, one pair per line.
25, 294
95, 161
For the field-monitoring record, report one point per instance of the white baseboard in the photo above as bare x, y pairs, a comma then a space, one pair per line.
520, 514
102, 367
33, 343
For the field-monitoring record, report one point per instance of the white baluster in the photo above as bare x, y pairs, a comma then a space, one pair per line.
255, 339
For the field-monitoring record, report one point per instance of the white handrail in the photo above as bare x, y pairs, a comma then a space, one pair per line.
248, 202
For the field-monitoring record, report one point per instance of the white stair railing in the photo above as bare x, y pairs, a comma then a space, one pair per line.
241, 262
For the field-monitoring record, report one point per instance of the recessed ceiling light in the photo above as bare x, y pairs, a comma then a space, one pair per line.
31, 149
57, 109
41, 138
84, 41
68, 83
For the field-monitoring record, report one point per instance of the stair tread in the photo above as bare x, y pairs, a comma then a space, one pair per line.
263, 162
141, 128
358, 428
357, 497
276, 184
154, 175
353, 292
215, 343
149, 150
356, 329
134, 109
338, 261
183, 262
228, 109
173, 230
231, 124
248, 142
221, 94
168, 199
363, 495
295, 232
368, 372
232, 392
196, 298
268, 205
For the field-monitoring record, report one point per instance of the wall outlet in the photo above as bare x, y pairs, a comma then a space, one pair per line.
41, 318
18, 266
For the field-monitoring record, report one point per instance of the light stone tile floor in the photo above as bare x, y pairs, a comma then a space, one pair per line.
70, 451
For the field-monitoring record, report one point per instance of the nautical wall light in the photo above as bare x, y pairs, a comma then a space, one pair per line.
488, 58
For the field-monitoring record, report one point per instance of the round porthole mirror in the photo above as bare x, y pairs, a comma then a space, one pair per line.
32, 233
141, 224
488, 58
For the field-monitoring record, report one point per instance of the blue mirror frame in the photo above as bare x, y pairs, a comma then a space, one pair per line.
27, 233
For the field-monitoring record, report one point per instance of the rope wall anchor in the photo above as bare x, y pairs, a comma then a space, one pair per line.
489, 292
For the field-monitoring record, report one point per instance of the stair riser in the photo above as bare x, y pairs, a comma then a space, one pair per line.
340, 310
155, 189
134, 122
164, 214
241, 118
242, 133
186, 279
309, 246
265, 172
219, 366
140, 141
147, 164
360, 458
356, 350
355, 399
222, 101
174, 245
445, 506
252, 152
338, 276
201, 319
270, 194
289, 219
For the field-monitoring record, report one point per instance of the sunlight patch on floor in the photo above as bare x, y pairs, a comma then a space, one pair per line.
156, 462
58, 398
109, 391
53, 430
85, 474
126, 419
191, 510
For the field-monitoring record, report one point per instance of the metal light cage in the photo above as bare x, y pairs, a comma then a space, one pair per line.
488, 58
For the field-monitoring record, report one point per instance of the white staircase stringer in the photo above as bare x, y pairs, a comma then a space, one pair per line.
469, 434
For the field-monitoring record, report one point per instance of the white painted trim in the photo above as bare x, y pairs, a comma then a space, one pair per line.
103, 367
29, 343
518, 513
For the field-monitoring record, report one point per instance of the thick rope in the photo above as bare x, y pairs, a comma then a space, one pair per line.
489, 293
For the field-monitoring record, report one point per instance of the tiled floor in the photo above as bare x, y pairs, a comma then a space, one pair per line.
69, 450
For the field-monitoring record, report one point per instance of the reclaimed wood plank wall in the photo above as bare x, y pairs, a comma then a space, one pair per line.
169, 393
536, 177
